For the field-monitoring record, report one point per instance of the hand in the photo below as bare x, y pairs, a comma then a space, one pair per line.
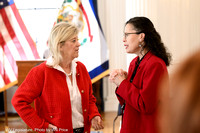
97, 123
117, 76
113, 74
51, 128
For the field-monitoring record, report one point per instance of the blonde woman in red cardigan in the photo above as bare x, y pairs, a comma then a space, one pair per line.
60, 88
137, 90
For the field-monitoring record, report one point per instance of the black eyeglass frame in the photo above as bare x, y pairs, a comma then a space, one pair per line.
126, 34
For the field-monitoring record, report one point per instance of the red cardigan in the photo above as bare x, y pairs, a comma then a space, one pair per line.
47, 87
140, 96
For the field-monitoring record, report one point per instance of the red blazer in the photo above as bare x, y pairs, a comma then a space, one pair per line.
47, 87
140, 96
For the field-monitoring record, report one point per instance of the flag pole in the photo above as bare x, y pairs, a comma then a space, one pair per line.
5, 110
5, 95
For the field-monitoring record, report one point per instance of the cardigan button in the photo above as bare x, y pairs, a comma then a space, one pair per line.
85, 110
82, 91
51, 116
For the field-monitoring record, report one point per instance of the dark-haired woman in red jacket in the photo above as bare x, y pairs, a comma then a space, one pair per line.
137, 90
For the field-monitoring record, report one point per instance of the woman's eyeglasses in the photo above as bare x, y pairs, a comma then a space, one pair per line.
126, 34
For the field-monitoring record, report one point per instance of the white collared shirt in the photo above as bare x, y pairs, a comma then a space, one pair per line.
75, 96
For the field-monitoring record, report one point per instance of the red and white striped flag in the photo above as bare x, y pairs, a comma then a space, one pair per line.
15, 44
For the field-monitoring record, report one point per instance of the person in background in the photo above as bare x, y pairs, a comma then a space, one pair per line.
137, 90
180, 108
60, 87
46, 54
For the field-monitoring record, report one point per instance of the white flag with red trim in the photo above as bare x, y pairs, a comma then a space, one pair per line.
15, 44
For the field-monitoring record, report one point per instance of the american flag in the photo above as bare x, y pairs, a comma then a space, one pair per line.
15, 44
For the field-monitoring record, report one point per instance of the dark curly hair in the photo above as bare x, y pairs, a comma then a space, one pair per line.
152, 38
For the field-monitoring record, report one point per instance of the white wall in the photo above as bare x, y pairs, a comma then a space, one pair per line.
177, 21
112, 17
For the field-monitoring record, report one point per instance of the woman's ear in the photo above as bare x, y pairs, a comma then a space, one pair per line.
60, 45
142, 36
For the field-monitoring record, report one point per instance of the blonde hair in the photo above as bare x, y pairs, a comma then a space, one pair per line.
181, 111
60, 33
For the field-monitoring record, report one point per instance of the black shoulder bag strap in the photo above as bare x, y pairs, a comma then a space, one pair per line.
131, 80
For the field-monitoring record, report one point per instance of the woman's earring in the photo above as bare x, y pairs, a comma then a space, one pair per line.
140, 45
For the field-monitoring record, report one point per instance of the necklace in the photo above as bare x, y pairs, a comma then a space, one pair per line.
69, 74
